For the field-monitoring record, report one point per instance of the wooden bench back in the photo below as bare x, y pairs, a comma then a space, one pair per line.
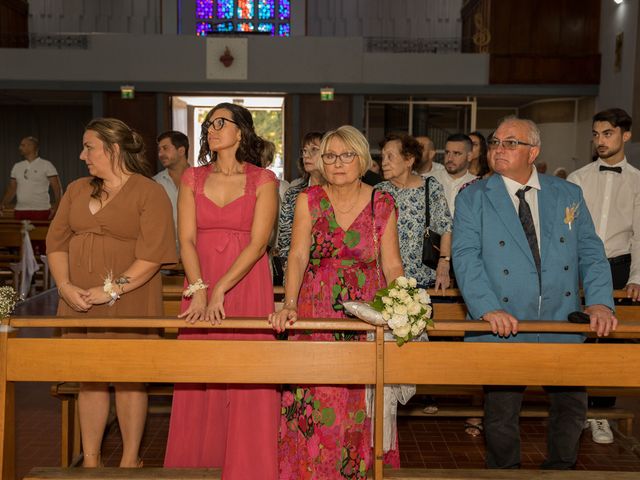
24, 359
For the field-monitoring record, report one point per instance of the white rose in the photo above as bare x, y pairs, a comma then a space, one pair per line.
424, 296
402, 282
400, 309
394, 293
428, 311
413, 282
422, 324
416, 330
404, 296
414, 308
387, 300
402, 331
388, 309
398, 321
386, 316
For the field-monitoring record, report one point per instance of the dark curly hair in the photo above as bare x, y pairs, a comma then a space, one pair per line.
251, 144
409, 146
112, 132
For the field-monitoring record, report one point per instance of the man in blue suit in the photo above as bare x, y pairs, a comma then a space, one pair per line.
523, 244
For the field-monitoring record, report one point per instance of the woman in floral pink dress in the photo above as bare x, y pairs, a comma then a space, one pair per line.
336, 255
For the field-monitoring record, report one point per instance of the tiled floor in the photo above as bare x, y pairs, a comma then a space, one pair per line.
424, 442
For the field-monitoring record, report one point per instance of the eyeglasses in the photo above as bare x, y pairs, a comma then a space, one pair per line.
217, 123
346, 157
310, 152
494, 143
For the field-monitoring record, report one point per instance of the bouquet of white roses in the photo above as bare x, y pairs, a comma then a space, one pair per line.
8, 300
406, 308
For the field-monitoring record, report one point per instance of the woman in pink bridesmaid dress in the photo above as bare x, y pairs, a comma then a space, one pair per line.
227, 209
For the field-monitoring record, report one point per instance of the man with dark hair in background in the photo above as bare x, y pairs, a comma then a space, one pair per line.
457, 157
173, 151
427, 166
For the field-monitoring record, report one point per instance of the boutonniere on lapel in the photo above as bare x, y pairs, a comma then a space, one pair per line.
570, 214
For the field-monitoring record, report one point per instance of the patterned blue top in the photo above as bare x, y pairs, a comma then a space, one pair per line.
285, 219
411, 216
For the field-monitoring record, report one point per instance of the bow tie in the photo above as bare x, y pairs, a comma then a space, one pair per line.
610, 169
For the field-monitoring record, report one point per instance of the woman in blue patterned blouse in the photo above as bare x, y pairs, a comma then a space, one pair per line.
308, 166
399, 153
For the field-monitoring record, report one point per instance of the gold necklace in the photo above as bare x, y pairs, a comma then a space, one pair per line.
353, 204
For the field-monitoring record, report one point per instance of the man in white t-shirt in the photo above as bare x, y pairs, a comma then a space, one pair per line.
457, 158
427, 166
30, 182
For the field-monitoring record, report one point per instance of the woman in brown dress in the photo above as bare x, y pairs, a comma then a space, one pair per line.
115, 225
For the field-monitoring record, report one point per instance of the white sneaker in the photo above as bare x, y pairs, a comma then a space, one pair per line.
601, 431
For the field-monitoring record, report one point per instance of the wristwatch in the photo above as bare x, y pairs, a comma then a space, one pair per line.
443, 257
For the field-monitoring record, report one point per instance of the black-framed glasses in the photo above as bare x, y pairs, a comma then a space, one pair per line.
345, 157
310, 152
509, 144
217, 123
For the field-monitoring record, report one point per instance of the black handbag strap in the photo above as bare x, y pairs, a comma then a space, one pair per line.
427, 213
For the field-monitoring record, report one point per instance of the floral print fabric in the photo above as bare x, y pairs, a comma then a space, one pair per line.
324, 430
411, 219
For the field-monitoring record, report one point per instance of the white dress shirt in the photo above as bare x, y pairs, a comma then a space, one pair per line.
164, 179
452, 185
613, 200
530, 196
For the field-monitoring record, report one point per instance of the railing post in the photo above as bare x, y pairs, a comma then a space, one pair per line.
7, 419
379, 406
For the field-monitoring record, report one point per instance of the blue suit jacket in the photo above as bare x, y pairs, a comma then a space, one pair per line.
495, 269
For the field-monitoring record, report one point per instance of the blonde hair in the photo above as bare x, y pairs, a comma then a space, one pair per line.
354, 139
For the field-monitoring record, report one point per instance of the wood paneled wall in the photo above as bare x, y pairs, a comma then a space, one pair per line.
141, 114
14, 24
539, 41
315, 115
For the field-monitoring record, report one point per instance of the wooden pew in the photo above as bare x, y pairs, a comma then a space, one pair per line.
11, 249
25, 359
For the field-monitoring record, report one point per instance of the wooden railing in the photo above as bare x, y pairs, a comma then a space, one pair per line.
277, 362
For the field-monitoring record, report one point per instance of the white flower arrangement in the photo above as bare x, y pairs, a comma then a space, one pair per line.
8, 300
405, 307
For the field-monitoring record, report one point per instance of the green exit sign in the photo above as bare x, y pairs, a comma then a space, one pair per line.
326, 94
127, 92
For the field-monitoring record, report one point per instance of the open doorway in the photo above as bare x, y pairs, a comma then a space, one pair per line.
188, 112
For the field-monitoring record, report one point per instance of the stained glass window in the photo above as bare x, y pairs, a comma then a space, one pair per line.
266, 28
245, 9
271, 17
266, 9
284, 9
225, 9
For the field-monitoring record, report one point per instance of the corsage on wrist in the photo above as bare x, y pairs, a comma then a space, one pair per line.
194, 287
110, 290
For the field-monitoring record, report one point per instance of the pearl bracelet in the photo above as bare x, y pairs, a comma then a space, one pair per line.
194, 287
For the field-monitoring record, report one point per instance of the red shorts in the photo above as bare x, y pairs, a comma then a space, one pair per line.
32, 214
